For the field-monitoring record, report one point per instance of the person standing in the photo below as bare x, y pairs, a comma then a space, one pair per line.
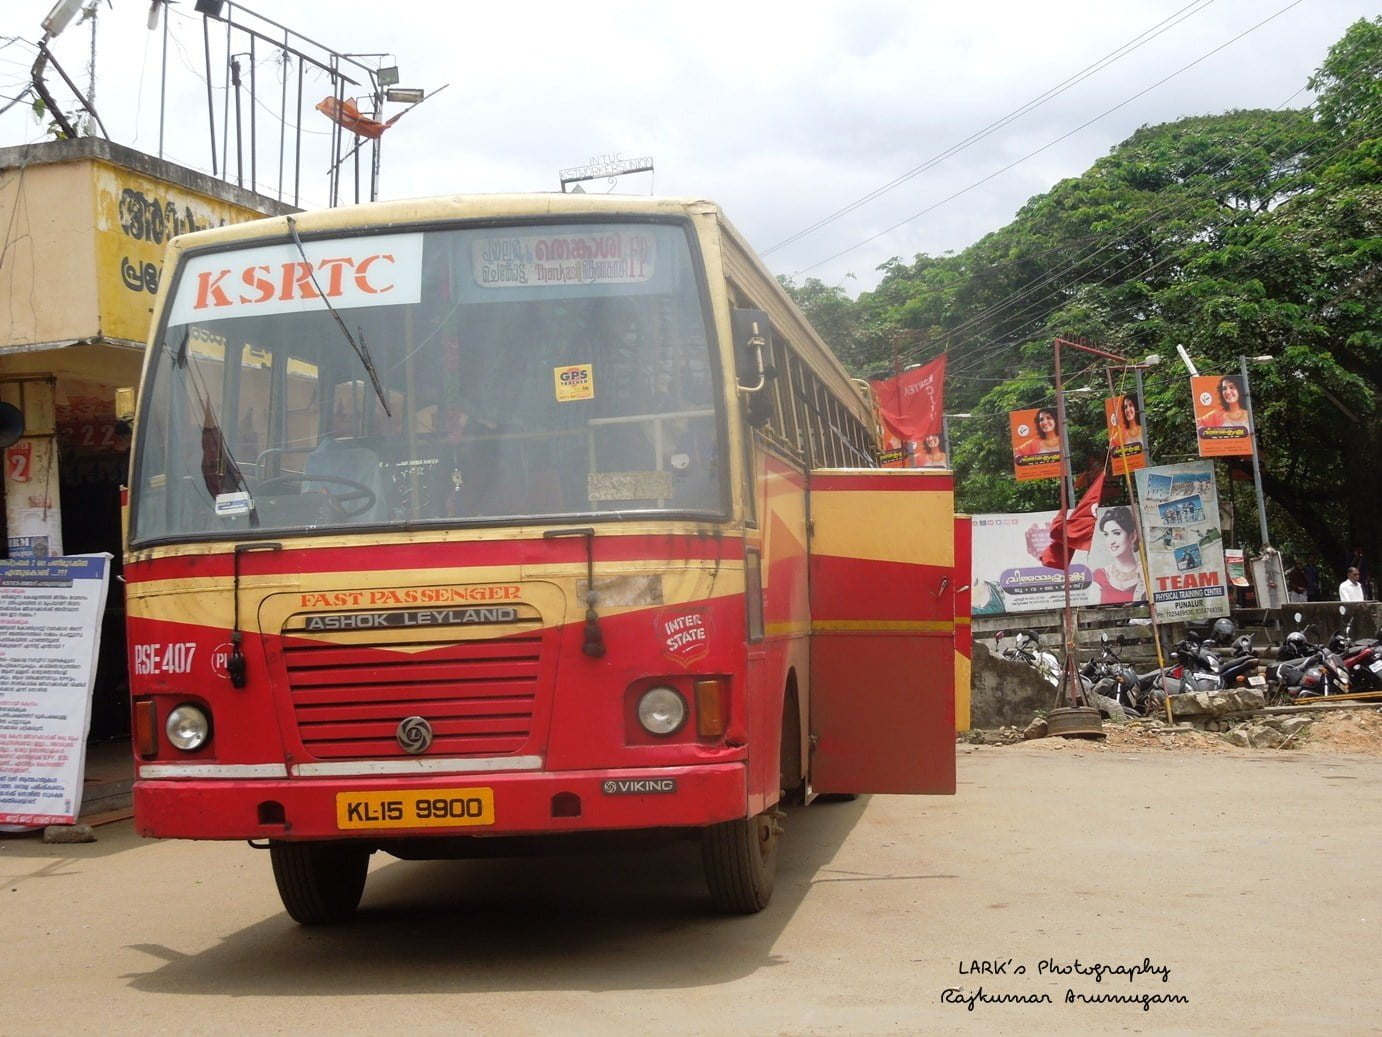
1351, 589
1357, 560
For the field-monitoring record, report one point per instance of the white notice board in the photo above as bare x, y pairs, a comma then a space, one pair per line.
50, 632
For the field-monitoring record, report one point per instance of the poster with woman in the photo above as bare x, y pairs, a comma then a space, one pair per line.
931, 452
1036, 444
1127, 439
1115, 559
1008, 575
1222, 423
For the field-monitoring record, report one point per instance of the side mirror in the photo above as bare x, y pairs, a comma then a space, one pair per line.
1343, 610
753, 340
1299, 617
1103, 636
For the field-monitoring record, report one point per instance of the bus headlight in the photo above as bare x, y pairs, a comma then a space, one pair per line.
188, 727
661, 711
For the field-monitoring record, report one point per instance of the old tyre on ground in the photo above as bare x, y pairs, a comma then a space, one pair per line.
740, 859
319, 883
1075, 722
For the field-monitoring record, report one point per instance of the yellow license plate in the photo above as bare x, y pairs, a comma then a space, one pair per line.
415, 808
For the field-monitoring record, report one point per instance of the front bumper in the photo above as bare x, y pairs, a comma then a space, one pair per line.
524, 803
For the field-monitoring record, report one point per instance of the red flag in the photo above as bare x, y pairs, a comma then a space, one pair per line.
913, 403
1075, 532
347, 114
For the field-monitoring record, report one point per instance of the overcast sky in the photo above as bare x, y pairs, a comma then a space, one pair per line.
784, 113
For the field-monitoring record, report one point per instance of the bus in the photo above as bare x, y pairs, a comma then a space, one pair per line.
500, 524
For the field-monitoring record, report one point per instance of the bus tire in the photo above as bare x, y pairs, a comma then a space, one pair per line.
319, 883
740, 859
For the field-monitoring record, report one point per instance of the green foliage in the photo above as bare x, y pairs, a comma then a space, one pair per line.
1249, 233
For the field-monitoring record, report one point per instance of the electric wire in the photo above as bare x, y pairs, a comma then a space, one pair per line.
1146, 36
1032, 154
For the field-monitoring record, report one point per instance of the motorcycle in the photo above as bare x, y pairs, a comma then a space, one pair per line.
1306, 670
1110, 676
1199, 665
1361, 659
1242, 668
1026, 648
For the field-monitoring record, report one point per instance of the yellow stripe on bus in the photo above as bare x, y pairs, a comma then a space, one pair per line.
914, 626
915, 522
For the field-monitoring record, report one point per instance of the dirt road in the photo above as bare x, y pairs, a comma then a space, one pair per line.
1236, 892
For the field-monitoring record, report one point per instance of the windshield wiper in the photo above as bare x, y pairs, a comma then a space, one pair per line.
361, 350
220, 472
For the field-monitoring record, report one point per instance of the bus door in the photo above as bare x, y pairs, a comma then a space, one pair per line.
882, 555
964, 632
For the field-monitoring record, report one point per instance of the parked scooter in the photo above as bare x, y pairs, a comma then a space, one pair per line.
1242, 667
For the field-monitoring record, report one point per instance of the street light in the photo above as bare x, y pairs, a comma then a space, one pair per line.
945, 431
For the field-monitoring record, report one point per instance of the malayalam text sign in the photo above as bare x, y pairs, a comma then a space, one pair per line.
50, 623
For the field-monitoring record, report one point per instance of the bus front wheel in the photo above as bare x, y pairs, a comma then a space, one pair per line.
740, 859
319, 882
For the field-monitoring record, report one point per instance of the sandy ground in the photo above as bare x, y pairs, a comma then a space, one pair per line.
1238, 891
1343, 731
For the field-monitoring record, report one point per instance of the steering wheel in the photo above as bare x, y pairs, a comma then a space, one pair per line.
354, 493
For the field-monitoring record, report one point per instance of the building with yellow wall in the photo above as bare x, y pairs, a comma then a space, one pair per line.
84, 225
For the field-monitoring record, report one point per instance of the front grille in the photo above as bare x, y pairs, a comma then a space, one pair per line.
478, 695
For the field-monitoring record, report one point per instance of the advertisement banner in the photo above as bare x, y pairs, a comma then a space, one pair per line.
1237, 567
1126, 438
1185, 547
1008, 575
50, 628
1222, 424
1036, 444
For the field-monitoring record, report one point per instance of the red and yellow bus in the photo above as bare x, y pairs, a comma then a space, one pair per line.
462, 524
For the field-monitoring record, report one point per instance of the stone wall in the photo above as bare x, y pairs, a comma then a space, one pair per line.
1005, 693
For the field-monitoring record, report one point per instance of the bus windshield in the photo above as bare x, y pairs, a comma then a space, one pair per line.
458, 375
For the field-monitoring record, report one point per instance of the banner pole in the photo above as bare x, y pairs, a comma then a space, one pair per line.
1070, 685
1141, 536
1256, 467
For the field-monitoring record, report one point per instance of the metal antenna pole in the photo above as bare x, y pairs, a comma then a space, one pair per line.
1070, 680
210, 98
163, 84
1256, 466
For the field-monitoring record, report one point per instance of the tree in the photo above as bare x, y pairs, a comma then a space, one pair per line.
1242, 234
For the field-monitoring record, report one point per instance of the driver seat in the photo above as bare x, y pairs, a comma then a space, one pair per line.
356, 463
